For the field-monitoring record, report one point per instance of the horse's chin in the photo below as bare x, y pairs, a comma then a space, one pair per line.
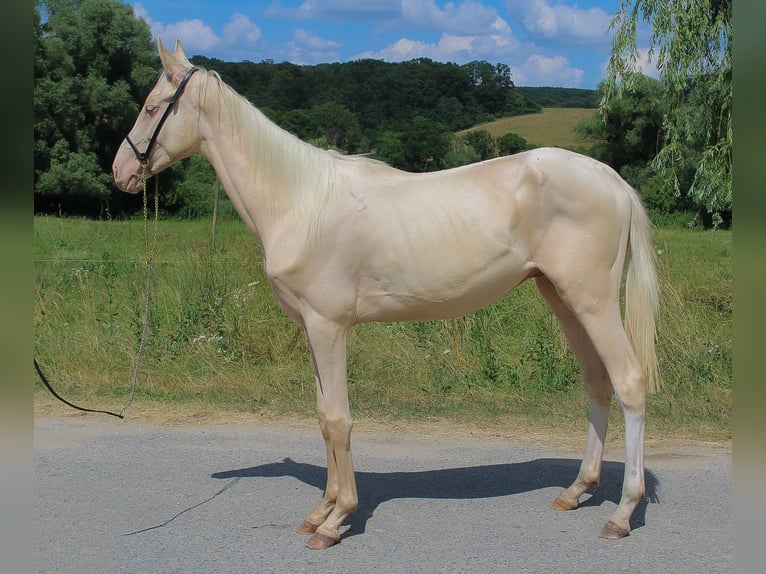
132, 185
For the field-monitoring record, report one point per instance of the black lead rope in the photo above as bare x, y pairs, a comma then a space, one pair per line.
44, 379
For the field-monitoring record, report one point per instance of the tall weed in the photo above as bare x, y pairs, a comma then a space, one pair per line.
216, 334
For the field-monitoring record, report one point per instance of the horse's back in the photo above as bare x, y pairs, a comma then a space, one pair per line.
448, 242
515, 200
570, 183
546, 175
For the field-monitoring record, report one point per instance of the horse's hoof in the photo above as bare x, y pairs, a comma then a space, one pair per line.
321, 541
307, 528
611, 531
562, 504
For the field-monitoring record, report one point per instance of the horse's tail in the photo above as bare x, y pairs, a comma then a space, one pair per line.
642, 294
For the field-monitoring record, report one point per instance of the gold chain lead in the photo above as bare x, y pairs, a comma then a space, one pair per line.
149, 251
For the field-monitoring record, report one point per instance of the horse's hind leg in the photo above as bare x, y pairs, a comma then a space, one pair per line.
604, 327
599, 388
629, 383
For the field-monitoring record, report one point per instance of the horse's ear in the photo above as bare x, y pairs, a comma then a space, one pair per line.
174, 65
178, 52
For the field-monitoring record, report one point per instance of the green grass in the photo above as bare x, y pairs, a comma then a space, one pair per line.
218, 339
695, 326
551, 127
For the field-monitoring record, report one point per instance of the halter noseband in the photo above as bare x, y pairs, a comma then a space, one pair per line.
144, 157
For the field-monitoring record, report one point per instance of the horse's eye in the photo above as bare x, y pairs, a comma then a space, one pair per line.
150, 109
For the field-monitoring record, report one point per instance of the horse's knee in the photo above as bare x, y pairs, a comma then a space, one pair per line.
339, 428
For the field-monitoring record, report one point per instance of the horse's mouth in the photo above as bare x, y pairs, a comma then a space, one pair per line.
132, 185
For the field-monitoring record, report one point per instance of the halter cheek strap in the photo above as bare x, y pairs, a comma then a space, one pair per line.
144, 157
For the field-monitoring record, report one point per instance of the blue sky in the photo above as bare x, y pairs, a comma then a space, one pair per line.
545, 42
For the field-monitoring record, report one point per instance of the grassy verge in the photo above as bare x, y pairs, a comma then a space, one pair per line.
218, 341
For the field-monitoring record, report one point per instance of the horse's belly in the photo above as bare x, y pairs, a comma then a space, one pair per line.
440, 289
441, 253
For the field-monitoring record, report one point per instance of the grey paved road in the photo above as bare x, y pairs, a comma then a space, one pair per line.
128, 497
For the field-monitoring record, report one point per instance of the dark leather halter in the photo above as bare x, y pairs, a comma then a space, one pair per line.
144, 157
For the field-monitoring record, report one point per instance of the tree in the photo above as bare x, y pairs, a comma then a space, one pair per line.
94, 60
193, 195
482, 142
451, 113
631, 136
418, 148
492, 84
337, 127
691, 46
460, 154
511, 143
631, 133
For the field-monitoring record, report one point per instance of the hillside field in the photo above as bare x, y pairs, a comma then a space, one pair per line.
551, 127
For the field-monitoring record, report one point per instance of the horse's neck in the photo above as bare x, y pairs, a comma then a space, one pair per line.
260, 165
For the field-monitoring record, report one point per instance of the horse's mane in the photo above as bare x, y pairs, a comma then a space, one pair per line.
282, 163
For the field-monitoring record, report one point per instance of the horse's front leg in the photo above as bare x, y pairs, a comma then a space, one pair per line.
328, 347
317, 516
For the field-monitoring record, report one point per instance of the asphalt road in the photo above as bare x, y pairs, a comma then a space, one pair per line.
126, 497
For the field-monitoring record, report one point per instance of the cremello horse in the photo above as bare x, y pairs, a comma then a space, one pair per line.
348, 240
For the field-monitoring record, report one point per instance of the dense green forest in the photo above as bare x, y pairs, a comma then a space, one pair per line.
95, 62
548, 97
379, 95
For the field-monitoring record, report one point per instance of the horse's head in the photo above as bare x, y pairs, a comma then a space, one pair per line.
166, 129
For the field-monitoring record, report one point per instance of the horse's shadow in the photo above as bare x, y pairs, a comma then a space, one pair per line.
486, 481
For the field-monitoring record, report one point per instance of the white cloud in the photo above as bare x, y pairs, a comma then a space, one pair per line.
469, 30
566, 23
350, 9
309, 49
240, 30
154, 26
314, 42
454, 44
240, 35
449, 48
468, 17
539, 70
406, 49
646, 64
463, 18
196, 36
401, 50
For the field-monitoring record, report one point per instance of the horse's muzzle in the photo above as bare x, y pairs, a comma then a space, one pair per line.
126, 171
